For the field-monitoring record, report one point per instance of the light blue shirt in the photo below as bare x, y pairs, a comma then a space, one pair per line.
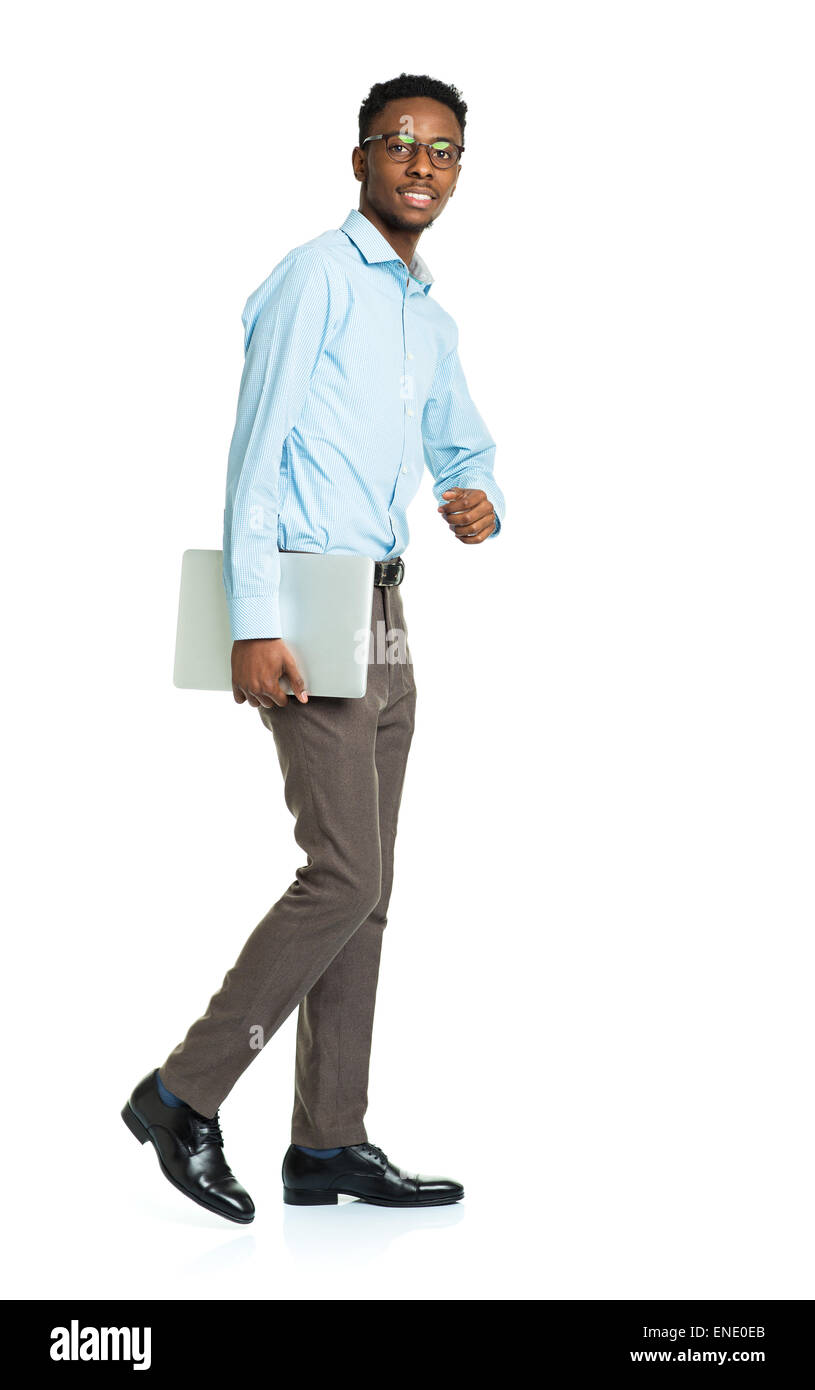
351, 384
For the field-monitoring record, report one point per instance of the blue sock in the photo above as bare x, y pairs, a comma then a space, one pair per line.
319, 1153
167, 1096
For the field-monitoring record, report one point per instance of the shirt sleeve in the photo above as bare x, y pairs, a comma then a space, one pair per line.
458, 448
285, 330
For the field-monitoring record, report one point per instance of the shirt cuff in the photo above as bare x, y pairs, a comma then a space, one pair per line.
257, 617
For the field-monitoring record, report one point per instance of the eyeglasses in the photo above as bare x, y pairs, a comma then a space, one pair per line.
402, 148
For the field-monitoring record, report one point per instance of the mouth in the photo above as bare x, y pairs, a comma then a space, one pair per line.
416, 197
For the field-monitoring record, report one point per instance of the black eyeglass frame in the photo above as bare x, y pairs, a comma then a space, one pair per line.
419, 144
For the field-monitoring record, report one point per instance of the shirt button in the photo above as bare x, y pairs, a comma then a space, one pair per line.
404, 470
410, 412
410, 357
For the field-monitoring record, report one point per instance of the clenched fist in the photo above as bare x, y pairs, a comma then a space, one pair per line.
469, 514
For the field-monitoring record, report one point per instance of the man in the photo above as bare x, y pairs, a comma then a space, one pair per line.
351, 383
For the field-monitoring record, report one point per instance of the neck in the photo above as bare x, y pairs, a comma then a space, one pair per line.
403, 240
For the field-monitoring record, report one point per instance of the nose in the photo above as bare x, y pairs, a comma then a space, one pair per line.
420, 162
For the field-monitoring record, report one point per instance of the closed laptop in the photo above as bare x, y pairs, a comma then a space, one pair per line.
325, 614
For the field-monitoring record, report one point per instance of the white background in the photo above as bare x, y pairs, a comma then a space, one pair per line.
595, 999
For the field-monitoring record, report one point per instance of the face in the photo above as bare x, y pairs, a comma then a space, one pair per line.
412, 195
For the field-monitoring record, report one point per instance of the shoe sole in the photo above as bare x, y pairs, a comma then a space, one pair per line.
143, 1135
295, 1197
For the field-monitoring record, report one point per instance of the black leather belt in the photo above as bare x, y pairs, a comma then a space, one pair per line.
389, 572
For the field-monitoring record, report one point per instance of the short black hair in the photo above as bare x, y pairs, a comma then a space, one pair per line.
409, 84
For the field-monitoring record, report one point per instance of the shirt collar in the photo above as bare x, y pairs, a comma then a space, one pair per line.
374, 247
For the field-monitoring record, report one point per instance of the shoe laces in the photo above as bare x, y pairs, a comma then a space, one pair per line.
372, 1149
208, 1131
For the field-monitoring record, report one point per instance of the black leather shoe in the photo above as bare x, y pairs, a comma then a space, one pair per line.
363, 1171
190, 1151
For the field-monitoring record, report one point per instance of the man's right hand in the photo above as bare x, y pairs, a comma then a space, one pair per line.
257, 665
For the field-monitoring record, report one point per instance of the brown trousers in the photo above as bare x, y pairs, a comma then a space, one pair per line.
343, 763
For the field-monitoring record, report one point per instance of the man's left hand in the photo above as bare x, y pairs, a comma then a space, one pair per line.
469, 514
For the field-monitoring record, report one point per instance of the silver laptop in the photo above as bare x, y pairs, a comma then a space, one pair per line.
325, 614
